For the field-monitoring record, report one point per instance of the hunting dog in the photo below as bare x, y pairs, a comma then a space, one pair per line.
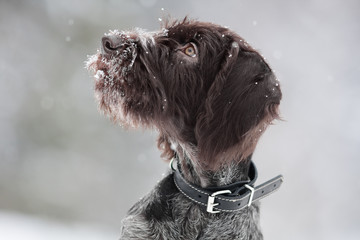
210, 95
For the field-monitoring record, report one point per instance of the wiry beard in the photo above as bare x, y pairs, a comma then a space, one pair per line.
112, 75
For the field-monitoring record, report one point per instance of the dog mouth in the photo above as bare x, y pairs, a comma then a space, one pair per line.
112, 68
116, 79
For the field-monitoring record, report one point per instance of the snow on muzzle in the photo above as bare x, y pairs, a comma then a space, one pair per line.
124, 44
118, 52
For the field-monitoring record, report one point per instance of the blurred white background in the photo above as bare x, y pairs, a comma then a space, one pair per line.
66, 172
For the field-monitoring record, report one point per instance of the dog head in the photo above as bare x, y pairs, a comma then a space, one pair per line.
206, 90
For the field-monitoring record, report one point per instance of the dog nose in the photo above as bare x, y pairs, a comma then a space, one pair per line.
110, 44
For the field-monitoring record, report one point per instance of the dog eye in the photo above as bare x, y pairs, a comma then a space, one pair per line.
190, 50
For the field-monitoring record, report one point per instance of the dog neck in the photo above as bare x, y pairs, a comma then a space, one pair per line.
194, 173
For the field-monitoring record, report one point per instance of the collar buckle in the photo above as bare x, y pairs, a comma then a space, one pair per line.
211, 199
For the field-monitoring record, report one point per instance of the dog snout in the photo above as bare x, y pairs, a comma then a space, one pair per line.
111, 44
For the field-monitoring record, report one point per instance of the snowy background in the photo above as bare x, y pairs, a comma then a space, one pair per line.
66, 172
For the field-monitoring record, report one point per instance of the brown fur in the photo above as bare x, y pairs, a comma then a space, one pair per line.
215, 106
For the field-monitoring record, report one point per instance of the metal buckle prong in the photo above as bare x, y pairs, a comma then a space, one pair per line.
211, 199
251, 194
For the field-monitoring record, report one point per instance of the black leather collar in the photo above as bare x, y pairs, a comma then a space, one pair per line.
228, 198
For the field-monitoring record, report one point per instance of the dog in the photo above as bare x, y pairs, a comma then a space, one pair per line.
211, 96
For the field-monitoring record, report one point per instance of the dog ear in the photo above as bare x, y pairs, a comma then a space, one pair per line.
240, 104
